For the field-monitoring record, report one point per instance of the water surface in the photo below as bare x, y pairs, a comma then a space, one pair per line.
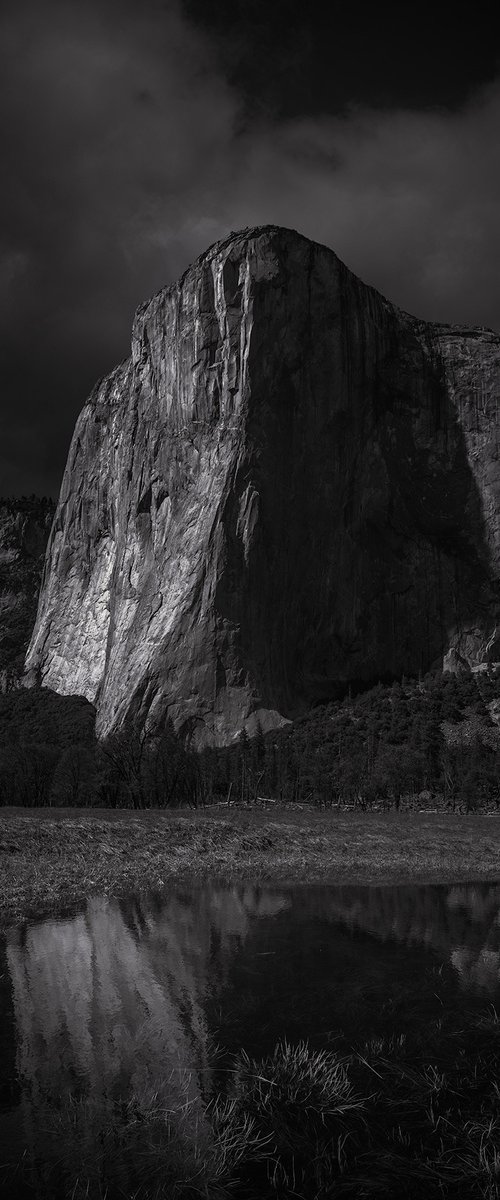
131, 996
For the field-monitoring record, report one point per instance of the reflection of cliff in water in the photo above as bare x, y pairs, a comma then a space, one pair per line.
120, 999
111, 1002
461, 922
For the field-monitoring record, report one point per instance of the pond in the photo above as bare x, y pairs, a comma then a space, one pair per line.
154, 995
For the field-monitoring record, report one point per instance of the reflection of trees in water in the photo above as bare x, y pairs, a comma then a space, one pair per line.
462, 922
477, 971
111, 1002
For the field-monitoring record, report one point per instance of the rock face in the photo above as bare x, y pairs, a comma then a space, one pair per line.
290, 486
24, 530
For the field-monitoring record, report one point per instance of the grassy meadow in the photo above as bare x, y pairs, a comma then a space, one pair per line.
53, 859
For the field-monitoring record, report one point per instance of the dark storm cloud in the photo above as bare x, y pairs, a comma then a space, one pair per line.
126, 154
408, 200
109, 119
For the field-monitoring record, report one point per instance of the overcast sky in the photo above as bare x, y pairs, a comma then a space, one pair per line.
135, 134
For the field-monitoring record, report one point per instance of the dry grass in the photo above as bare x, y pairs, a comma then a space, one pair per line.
415, 1118
53, 859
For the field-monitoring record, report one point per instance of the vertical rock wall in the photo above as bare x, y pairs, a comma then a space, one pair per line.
290, 486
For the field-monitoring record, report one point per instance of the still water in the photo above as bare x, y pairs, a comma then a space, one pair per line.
132, 996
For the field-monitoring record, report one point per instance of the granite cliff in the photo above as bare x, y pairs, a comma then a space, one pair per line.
290, 486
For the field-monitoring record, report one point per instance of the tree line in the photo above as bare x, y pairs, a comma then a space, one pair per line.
433, 742
49, 755
428, 742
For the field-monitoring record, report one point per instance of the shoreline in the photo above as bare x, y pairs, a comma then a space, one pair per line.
53, 860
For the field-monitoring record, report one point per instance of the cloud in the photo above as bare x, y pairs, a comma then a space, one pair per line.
127, 153
109, 123
408, 200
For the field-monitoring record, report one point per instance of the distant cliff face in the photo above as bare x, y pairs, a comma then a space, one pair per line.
24, 530
291, 485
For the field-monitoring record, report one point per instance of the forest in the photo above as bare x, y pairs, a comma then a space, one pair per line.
431, 743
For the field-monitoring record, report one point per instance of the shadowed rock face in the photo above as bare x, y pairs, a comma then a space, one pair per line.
290, 486
24, 531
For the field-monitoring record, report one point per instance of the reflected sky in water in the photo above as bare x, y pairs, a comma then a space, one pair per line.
132, 995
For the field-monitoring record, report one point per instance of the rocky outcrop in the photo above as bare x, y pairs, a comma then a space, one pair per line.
24, 531
290, 486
